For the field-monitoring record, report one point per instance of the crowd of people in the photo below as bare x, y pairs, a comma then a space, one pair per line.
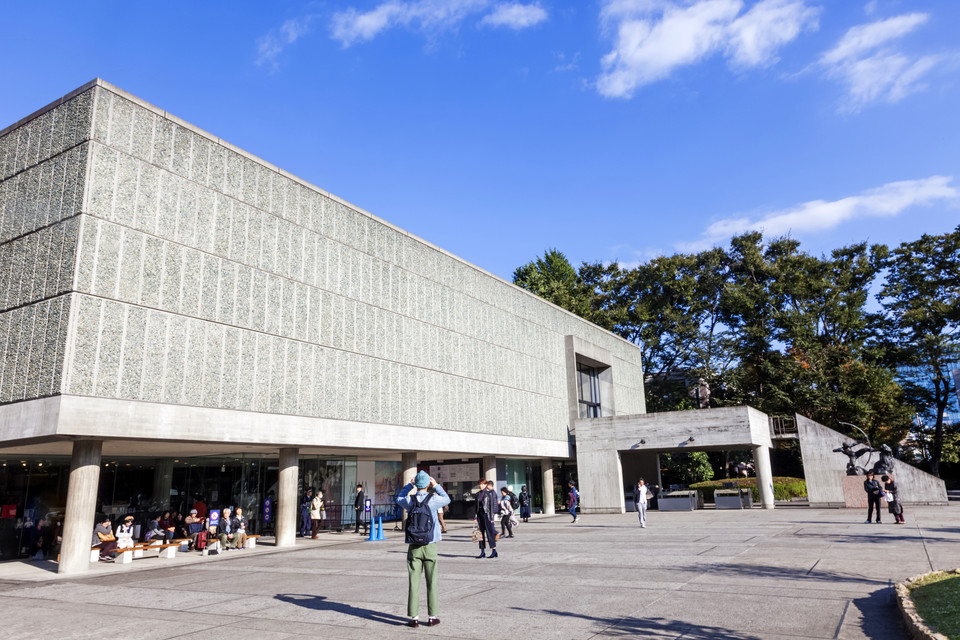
197, 528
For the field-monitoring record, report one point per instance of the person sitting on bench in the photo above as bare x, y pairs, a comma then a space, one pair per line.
125, 533
104, 539
227, 530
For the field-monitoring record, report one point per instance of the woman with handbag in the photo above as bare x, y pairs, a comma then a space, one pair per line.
892, 496
506, 514
104, 540
317, 514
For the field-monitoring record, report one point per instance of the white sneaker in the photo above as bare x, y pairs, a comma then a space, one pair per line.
643, 526
576, 520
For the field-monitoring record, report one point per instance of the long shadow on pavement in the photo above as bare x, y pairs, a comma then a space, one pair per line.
780, 573
631, 627
881, 617
321, 603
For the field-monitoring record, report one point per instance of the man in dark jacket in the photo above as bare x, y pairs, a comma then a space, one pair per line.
305, 524
358, 505
486, 512
874, 493
227, 530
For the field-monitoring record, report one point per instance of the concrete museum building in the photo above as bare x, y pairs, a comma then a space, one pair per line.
179, 319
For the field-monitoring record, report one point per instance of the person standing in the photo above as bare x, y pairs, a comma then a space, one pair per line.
640, 494
874, 493
358, 507
506, 513
317, 513
573, 499
525, 503
893, 505
486, 511
305, 520
422, 535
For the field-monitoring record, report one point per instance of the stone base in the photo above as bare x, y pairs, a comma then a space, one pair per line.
853, 494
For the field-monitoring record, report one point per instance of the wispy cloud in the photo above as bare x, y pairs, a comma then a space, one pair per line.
652, 38
515, 16
431, 17
567, 64
872, 69
886, 201
271, 45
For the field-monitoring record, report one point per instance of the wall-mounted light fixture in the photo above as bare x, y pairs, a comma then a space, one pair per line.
643, 442
690, 439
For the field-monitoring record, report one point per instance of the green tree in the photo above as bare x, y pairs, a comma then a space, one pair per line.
553, 278
921, 298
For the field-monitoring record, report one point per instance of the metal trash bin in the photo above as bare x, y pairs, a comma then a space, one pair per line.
740, 498
679, 500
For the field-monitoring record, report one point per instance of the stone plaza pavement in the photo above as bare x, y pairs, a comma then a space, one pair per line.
789, 573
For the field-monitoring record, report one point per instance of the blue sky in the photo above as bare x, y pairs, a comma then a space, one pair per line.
611, 130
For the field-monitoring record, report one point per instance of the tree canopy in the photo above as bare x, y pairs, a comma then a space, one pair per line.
764, 323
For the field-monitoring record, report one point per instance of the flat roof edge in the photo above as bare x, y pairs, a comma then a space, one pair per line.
53, 105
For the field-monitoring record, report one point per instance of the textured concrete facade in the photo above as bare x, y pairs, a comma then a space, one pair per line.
145, 260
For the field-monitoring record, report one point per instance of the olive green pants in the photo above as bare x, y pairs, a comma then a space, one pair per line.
422, 558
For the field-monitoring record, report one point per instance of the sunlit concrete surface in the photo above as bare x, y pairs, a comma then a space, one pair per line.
788, 573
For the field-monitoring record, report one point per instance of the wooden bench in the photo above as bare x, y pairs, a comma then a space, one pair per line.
163, 551
252, 542
184, 543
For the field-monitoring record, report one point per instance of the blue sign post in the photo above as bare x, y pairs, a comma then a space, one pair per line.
214, 516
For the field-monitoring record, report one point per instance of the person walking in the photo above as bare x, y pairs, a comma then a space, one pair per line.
573, 499
525, 503
305, 520
893, 502
422, 533
874, 493
506, 513
358, 507
640, 494
486, 511
317, 514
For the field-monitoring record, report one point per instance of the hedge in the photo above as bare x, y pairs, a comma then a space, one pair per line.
783, 488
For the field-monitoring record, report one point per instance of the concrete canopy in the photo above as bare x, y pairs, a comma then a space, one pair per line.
599, 441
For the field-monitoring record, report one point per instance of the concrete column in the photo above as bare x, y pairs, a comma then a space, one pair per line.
761, 462
162, 483
490, 469
601, 481
546, 472
78, 521
408, 464
286, 509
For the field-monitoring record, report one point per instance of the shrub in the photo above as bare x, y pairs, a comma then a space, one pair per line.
783, 488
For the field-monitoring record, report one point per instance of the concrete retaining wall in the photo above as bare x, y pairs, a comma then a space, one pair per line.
824, 470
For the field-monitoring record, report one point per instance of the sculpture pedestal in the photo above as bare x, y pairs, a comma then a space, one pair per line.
853, 494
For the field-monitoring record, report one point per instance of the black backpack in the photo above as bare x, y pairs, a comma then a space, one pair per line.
514, 500
419, 525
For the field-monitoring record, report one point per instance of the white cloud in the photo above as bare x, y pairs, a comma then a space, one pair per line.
430, 16
515, 16
271, 45
652, 38
887, 201
865, 61
756, 36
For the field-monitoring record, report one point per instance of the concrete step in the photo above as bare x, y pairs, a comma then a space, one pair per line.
953, 495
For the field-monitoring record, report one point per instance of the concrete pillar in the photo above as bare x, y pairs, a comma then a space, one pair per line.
601, 481
546, 472
162, 483
408, 464
490, 469
78, 521
286, 509
761, 462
